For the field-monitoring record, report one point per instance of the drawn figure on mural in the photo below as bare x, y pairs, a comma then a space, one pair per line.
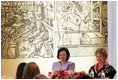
37, 40
86, 19
69, 22
14, 17
13, 33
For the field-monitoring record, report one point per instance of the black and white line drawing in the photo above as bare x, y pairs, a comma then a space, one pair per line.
36, 29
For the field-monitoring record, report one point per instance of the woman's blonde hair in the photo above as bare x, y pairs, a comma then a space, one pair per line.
102, 51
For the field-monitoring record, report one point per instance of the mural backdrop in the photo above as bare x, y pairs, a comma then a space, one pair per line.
34, 29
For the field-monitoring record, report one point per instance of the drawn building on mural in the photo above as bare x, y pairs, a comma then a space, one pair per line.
34, 29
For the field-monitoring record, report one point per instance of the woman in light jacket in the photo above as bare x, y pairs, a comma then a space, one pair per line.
63, 55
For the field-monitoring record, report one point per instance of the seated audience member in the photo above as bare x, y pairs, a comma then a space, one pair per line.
40, 76
19, 71
31, 69
102, 65
63, 55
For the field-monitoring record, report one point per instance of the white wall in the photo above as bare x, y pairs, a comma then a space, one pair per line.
112, 34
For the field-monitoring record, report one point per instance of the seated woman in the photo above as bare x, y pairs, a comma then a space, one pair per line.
102, 65
19, 71
30, 70
63, 55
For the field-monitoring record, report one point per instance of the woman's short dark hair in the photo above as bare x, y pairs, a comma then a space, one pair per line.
19, 71
66, 50
102, 51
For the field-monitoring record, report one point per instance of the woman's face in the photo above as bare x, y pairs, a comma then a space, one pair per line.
63, 56
99, 57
